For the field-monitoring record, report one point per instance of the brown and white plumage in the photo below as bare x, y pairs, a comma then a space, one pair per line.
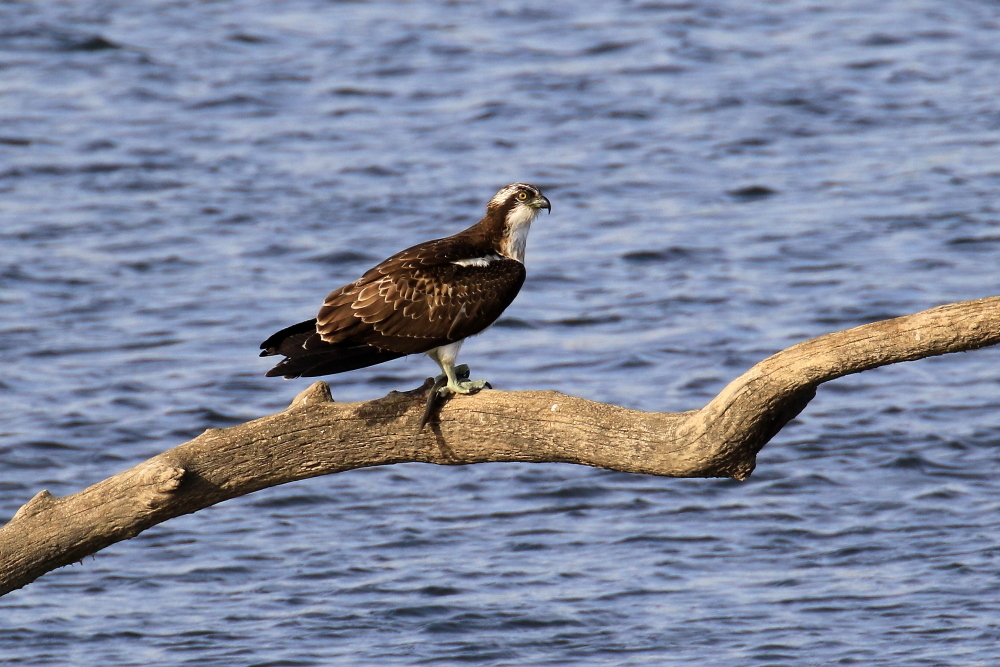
427, 298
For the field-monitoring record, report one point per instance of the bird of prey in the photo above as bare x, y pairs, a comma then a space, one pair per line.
428, 298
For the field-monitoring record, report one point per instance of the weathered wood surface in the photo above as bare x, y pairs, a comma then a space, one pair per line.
316, 436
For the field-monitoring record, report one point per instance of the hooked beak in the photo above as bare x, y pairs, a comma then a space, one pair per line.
542, 202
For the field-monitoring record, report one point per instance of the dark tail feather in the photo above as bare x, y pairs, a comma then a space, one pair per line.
331, 361
288, 339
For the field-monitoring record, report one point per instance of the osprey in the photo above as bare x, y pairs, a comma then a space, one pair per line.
428, 298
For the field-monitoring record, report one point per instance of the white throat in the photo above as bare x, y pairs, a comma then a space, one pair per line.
515, 235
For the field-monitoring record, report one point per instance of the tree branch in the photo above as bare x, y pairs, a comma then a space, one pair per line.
316, 436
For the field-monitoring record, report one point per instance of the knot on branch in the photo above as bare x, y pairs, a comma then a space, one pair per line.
159, 479
39, 503
317, 392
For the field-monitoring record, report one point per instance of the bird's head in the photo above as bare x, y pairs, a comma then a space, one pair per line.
510, 213
518, 200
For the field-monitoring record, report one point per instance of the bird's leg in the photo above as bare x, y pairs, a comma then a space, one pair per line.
458, 381
454, 380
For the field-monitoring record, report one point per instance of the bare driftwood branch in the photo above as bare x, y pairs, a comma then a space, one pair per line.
316, 436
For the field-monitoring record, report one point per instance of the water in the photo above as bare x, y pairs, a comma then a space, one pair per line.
168, 203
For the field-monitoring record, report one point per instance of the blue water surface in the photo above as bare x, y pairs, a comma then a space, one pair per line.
180, 179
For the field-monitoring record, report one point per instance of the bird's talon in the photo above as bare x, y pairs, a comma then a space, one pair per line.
463, 387
471, 386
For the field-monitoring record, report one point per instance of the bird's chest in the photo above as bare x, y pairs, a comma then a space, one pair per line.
516, 238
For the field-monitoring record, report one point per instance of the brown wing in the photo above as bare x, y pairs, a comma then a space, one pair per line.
420, 299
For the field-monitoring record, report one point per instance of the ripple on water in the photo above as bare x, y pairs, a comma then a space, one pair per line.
180, 180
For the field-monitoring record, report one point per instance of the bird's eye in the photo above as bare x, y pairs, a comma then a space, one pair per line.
522, 196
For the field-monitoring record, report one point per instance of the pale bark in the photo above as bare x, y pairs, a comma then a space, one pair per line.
316, 436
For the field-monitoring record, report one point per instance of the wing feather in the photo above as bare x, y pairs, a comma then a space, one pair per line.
419, 299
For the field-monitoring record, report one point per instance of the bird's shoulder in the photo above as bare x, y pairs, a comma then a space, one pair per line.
451, 251
452, 268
